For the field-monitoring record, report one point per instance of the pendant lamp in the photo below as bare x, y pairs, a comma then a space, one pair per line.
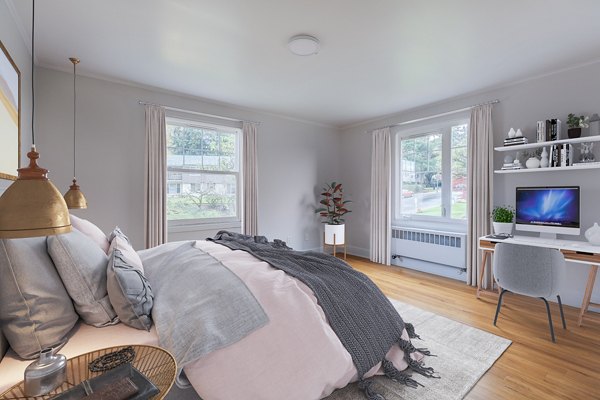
74, 197
32, 206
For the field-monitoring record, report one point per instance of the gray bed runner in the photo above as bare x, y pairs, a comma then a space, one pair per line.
192, 316
362, 317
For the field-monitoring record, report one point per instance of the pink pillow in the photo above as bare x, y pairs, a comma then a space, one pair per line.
92, 231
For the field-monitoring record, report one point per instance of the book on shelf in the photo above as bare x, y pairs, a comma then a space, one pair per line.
548, 130
541, 132
515, 141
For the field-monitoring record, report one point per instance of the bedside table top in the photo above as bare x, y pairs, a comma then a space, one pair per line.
157, 364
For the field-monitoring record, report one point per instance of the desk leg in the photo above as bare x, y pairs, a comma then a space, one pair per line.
588, 292
484, 260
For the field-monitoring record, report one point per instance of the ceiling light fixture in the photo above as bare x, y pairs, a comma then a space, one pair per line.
74, 197
303, 45
32, 206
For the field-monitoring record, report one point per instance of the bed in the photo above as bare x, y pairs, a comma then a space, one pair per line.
295, 354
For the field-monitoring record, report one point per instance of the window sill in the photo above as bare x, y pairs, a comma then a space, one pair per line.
204, 227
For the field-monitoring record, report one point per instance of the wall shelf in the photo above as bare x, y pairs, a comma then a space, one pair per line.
527, 170
586, 139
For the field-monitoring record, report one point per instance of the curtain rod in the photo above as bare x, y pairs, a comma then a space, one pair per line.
145, 103
435, 116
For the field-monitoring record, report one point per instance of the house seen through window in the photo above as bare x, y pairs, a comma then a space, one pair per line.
203, 173
431, 173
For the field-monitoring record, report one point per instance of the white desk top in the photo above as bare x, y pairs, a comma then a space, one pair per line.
574, 245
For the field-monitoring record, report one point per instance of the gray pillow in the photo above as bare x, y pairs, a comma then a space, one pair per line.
35, 309
82, 266
128, 289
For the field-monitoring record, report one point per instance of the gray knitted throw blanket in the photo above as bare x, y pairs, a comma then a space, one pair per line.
362, 317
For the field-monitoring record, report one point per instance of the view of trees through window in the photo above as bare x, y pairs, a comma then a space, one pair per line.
202, 172
424, 180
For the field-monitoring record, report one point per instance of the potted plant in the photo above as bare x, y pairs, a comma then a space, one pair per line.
332, 210
502, 219
575, 124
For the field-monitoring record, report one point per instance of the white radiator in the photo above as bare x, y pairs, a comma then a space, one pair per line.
445, 248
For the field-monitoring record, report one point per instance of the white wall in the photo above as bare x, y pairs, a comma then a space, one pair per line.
18, 50
294, 157
576, 90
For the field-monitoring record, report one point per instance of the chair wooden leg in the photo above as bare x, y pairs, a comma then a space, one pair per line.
549, 319
499, 305
562, 314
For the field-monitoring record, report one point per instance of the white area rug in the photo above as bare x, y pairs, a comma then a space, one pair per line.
464, 354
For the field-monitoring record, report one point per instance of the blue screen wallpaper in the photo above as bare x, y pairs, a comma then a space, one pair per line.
548, 206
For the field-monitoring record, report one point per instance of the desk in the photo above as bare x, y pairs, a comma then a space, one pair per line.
574, 251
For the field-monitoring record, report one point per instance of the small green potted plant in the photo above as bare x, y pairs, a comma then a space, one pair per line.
334, 207
502, 219
575, 124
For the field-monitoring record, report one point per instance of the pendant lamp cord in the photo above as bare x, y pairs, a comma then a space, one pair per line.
74, 114
32, 75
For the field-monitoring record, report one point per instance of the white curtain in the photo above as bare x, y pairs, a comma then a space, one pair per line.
381, 197
479, 202
155, 205
250, 200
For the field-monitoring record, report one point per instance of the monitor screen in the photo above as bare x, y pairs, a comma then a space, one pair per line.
548, 206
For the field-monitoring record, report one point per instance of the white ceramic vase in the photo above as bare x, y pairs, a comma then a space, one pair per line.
503, 228
593, 234
544, 163
335, 234
532, 162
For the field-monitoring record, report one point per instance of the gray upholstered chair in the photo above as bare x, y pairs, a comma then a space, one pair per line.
530, 271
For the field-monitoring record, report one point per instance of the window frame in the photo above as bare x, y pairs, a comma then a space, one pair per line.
180, 225
443, 127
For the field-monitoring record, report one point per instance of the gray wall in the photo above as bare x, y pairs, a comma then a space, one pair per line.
294, 157
576, 90
18, 50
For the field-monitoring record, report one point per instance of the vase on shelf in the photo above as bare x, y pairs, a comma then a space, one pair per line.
574, 133
532, 162
544, 162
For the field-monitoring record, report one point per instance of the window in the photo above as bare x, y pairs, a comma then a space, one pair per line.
203, 173
431, 172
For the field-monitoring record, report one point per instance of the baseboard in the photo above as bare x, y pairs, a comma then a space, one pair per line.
358, 251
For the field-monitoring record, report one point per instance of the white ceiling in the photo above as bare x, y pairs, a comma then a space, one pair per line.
377, 57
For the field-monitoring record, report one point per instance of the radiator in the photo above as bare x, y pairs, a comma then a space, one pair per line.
446, 248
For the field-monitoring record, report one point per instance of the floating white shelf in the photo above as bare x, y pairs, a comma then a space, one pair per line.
518, 147
525, 170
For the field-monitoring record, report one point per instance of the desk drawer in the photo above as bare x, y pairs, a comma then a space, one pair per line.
574, 255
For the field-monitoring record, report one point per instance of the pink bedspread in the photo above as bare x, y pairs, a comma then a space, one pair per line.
295, 356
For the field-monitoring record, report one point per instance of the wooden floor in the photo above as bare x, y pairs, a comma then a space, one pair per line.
533, 367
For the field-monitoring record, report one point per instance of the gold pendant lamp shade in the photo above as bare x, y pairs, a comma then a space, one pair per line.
32, 206
74, 197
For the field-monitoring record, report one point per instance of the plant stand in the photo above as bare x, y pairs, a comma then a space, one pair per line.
334, 245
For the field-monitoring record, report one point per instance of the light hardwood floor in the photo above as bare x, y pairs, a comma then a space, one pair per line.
533, 367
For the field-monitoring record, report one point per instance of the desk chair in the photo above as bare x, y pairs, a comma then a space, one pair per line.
530, 271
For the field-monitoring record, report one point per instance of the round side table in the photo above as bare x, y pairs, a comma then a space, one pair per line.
157, 364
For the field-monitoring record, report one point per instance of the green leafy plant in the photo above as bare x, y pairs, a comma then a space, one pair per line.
503, 214
334, 205
577, 122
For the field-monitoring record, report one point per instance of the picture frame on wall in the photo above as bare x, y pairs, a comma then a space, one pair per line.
10, 116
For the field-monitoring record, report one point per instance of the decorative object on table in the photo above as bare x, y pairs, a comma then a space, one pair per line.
511, 133
74, 197
502, 219
544, 162
593, 234
120, 383
32, 206
335, 207
532, 162
575, 124
112, 360
508, 159
10, 115
594, 125
519, 133
45, 374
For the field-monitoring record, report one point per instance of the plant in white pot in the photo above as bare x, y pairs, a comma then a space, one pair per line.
332, 210
502, 219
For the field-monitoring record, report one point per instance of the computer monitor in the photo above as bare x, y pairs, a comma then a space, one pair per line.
548, 210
